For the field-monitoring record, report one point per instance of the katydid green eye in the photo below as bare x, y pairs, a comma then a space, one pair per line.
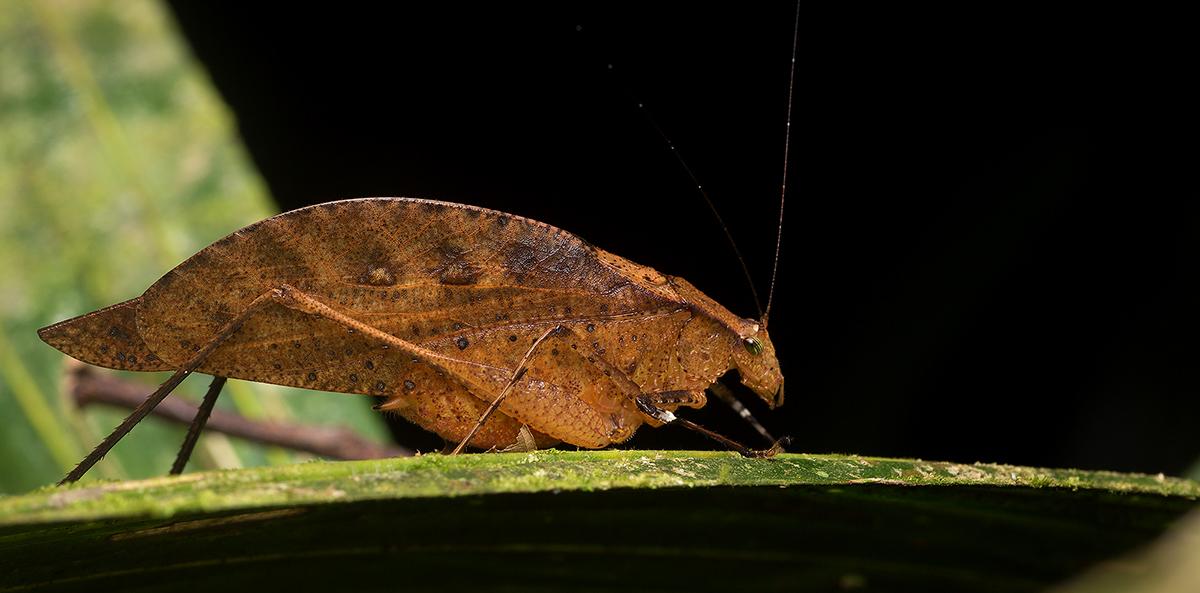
752, 346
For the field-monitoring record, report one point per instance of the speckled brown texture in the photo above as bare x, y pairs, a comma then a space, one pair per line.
108, 338
475, 286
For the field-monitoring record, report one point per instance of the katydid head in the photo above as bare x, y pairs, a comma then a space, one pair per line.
757, 365
750, 349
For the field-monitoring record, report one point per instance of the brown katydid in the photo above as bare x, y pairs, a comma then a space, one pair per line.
448, 311
487, 328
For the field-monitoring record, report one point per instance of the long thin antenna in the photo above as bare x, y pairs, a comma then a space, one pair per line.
699, 187
712, 207
787, 137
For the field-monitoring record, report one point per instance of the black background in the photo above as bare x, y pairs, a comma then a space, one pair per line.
990, 242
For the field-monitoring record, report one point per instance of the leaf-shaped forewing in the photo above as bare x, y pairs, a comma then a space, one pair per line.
429, 273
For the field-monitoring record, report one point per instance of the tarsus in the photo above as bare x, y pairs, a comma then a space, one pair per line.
787, 137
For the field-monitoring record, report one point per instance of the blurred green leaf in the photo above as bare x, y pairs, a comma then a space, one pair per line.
589, 520
1170, 565
117, 161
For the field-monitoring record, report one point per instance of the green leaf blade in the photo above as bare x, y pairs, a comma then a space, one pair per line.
590, 520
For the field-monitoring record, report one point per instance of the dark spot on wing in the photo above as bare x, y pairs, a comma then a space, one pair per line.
566, 260
519, 259
455, 267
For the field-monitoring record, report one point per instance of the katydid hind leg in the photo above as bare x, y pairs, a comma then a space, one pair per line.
126, 425
164, 390
197, 425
